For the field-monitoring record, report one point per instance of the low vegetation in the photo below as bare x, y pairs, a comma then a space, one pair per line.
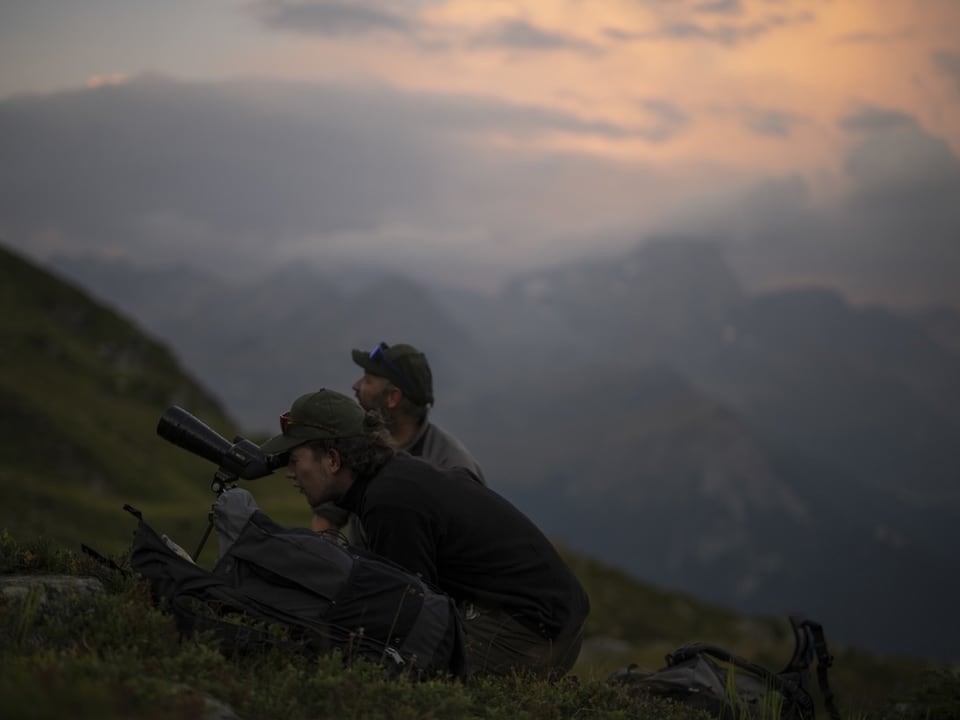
113, 654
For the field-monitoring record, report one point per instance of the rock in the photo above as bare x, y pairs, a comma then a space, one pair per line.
213, 708
49, 586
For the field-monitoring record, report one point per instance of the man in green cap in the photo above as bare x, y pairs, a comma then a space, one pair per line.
397, 382
523, 608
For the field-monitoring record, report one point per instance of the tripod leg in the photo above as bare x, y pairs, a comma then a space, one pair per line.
203, 540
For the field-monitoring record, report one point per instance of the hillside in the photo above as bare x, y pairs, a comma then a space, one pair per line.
82, 390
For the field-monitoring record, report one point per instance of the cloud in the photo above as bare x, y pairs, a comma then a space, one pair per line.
722, 7
331, 18
770, 123
667, 119
519, 34
873, 119
483, 115
891, 237
870, 38
237, 175
897, 160
721, 22
949, 63
95, 81
229, 174
722, 34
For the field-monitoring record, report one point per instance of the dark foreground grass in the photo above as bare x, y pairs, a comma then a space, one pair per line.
114, 655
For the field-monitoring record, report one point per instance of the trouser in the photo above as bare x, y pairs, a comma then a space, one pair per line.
497, 644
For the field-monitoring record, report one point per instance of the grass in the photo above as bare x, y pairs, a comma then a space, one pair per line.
115, 655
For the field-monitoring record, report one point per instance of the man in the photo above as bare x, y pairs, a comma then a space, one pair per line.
398, 383
523, 607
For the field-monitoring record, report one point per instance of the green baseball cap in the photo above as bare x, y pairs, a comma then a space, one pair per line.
322, 415
404, 366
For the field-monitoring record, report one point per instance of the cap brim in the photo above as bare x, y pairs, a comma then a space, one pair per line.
281, 444
361, 358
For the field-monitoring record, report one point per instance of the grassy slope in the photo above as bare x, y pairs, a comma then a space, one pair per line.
115, 656
81, 390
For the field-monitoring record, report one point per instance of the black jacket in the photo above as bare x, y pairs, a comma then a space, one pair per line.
469, 541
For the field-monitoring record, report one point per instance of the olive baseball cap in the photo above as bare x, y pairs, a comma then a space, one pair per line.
404, 366
321, 415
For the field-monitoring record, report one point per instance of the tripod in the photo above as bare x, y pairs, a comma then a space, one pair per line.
222, 480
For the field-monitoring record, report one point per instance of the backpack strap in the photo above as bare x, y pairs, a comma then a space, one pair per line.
811, 641
103, 560
692, 650
802, 657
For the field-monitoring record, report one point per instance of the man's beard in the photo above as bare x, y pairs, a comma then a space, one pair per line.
379, 405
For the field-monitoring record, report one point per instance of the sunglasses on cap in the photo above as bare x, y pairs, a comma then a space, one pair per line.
286, 421
379, 354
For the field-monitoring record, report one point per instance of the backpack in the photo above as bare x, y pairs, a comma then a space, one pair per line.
292, 588
729, 687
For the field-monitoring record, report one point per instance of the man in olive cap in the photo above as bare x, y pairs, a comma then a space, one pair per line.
523, 608
397, 382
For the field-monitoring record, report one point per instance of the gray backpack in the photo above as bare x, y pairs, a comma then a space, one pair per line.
278, 586
729, 687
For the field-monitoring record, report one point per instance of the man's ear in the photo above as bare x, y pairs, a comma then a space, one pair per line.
394, 396
335, 463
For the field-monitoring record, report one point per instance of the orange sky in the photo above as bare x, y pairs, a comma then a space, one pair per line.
691, 99
807, 63
724, 66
